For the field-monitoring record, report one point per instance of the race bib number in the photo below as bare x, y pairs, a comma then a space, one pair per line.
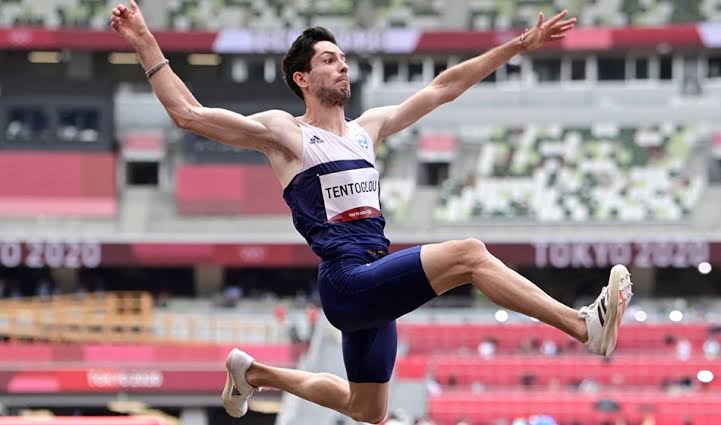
351, 195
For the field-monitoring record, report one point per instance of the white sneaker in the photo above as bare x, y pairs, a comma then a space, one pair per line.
237, 390
603, 317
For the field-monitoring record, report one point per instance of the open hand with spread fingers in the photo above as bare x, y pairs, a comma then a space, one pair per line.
128, 21
551, 30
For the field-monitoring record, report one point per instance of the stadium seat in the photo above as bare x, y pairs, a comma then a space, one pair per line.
602, 173
61, 184
701, 409
219, 189
437, 338
482, 14
648, 370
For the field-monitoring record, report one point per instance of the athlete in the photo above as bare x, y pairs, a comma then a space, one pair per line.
326, 166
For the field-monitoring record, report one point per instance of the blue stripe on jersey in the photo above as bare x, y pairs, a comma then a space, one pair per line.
328, 240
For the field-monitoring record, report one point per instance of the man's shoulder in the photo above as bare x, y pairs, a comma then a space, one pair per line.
278, 122
375, 117
283, 129
277, 115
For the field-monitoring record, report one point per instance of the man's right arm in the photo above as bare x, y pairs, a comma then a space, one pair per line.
184, 109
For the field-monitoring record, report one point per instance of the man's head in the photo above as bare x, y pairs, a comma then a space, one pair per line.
315, 66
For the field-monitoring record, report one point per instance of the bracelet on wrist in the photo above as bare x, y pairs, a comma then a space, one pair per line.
149, 73
523, 38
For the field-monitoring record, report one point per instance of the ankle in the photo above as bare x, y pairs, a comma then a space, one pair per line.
254, 374
582, 331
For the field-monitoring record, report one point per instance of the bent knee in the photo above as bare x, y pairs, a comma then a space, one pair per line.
372, 415
472, 253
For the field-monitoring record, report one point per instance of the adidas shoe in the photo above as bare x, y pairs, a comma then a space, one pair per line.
603, 317
237, 390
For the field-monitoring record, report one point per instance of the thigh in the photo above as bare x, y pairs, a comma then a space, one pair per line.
386, 289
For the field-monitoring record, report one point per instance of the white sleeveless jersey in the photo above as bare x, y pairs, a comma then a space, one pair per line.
334, 198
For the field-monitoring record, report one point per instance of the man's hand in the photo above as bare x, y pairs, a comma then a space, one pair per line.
129, 22
542, 32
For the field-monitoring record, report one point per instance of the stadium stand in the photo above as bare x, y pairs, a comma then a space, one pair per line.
520, 376
187, 15
121, 355
123, 317
62, 184
564, 161
430, 14
552, 173
204, 189
577, 408
108, 317
433, 338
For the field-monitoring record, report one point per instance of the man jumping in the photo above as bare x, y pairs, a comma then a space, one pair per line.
326, 166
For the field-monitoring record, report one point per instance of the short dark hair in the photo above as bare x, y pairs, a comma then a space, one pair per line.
300, 53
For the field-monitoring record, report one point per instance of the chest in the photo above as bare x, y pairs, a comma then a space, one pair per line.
322, 147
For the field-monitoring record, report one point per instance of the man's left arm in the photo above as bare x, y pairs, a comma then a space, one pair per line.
386, 120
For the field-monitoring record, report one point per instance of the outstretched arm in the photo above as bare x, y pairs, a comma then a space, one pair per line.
186, 112
451, 83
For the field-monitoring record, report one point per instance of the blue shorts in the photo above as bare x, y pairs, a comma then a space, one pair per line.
363, 293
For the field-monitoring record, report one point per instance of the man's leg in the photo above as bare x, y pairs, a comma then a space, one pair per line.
365, 304
368, 354
363, 402
454, 263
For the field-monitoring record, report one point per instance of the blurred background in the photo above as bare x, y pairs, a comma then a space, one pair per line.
133, 255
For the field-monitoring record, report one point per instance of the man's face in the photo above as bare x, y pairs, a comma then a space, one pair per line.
328, 78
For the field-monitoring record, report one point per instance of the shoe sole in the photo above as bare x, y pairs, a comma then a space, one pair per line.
226, 392
610, 330
229, 384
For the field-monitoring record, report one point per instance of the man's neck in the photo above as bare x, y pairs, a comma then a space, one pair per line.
329, 118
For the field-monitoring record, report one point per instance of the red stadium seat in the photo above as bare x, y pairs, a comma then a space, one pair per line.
218, 189
433, 338
276, 354
642, 370
637, 377
57, 184
568, 407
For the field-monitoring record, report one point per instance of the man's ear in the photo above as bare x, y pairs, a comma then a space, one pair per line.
301, 79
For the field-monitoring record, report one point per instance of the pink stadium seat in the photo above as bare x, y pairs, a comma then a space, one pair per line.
276, 354
508, 370
568, 407
119, 354
433, 338
636, 376
60, 184
21, 353
68, 352
220, 189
